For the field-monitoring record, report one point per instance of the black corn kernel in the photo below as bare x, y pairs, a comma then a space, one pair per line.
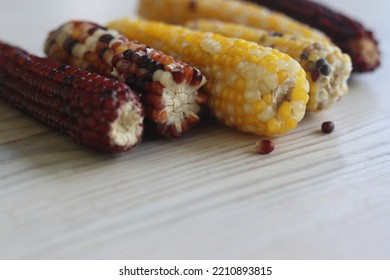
320, 63
106, 38
69, 44
323, 67
130, 79
102, 51
304, 55
128, 54
146, 62
276, 34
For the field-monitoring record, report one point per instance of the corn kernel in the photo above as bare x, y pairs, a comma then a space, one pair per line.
121, 49
285, 110
290, 122
282, 76
268, 98
298, 94
259, 106
273, 126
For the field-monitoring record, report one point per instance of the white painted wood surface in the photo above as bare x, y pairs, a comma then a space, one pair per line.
206, 195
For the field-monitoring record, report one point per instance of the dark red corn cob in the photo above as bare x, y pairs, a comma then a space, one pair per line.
168, 87
93, 110
350, 35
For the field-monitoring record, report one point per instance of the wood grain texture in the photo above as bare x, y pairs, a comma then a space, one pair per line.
206, 195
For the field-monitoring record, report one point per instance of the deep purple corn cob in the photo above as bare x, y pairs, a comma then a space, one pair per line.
93, 110
350, 35
168, 87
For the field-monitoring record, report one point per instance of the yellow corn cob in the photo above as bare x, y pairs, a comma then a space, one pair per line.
327, 68
181, 11
252, 88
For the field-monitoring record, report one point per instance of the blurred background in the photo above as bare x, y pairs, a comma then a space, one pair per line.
26, 23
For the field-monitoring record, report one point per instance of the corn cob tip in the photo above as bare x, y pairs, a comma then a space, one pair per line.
328, 70
168, 88
365, 53
95, 111
126, 129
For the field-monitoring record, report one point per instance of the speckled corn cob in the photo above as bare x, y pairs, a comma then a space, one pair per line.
93, 110
168, 87
181, 11
252, 88
350, 35
327, 68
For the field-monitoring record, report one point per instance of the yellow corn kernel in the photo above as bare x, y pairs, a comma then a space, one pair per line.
121, 49
291, 123
330, 85
298, 94
259, 106
282, 76
244, 87
273, 125
268, 98
285, 110
251, 120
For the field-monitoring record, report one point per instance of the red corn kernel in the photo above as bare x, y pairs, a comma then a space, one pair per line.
327, 127
315, 74
264, 146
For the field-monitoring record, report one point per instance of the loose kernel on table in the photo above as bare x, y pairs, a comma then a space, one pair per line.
264, 146
327, 127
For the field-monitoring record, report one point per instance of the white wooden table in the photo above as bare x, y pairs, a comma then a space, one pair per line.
206, 195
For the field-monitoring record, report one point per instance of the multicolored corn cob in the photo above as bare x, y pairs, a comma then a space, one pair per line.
350, 35
252, 88
327, 68
168, 87
93, 110
181, 11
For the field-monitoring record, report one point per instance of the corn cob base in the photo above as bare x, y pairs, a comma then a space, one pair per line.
93, 110
169, 88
